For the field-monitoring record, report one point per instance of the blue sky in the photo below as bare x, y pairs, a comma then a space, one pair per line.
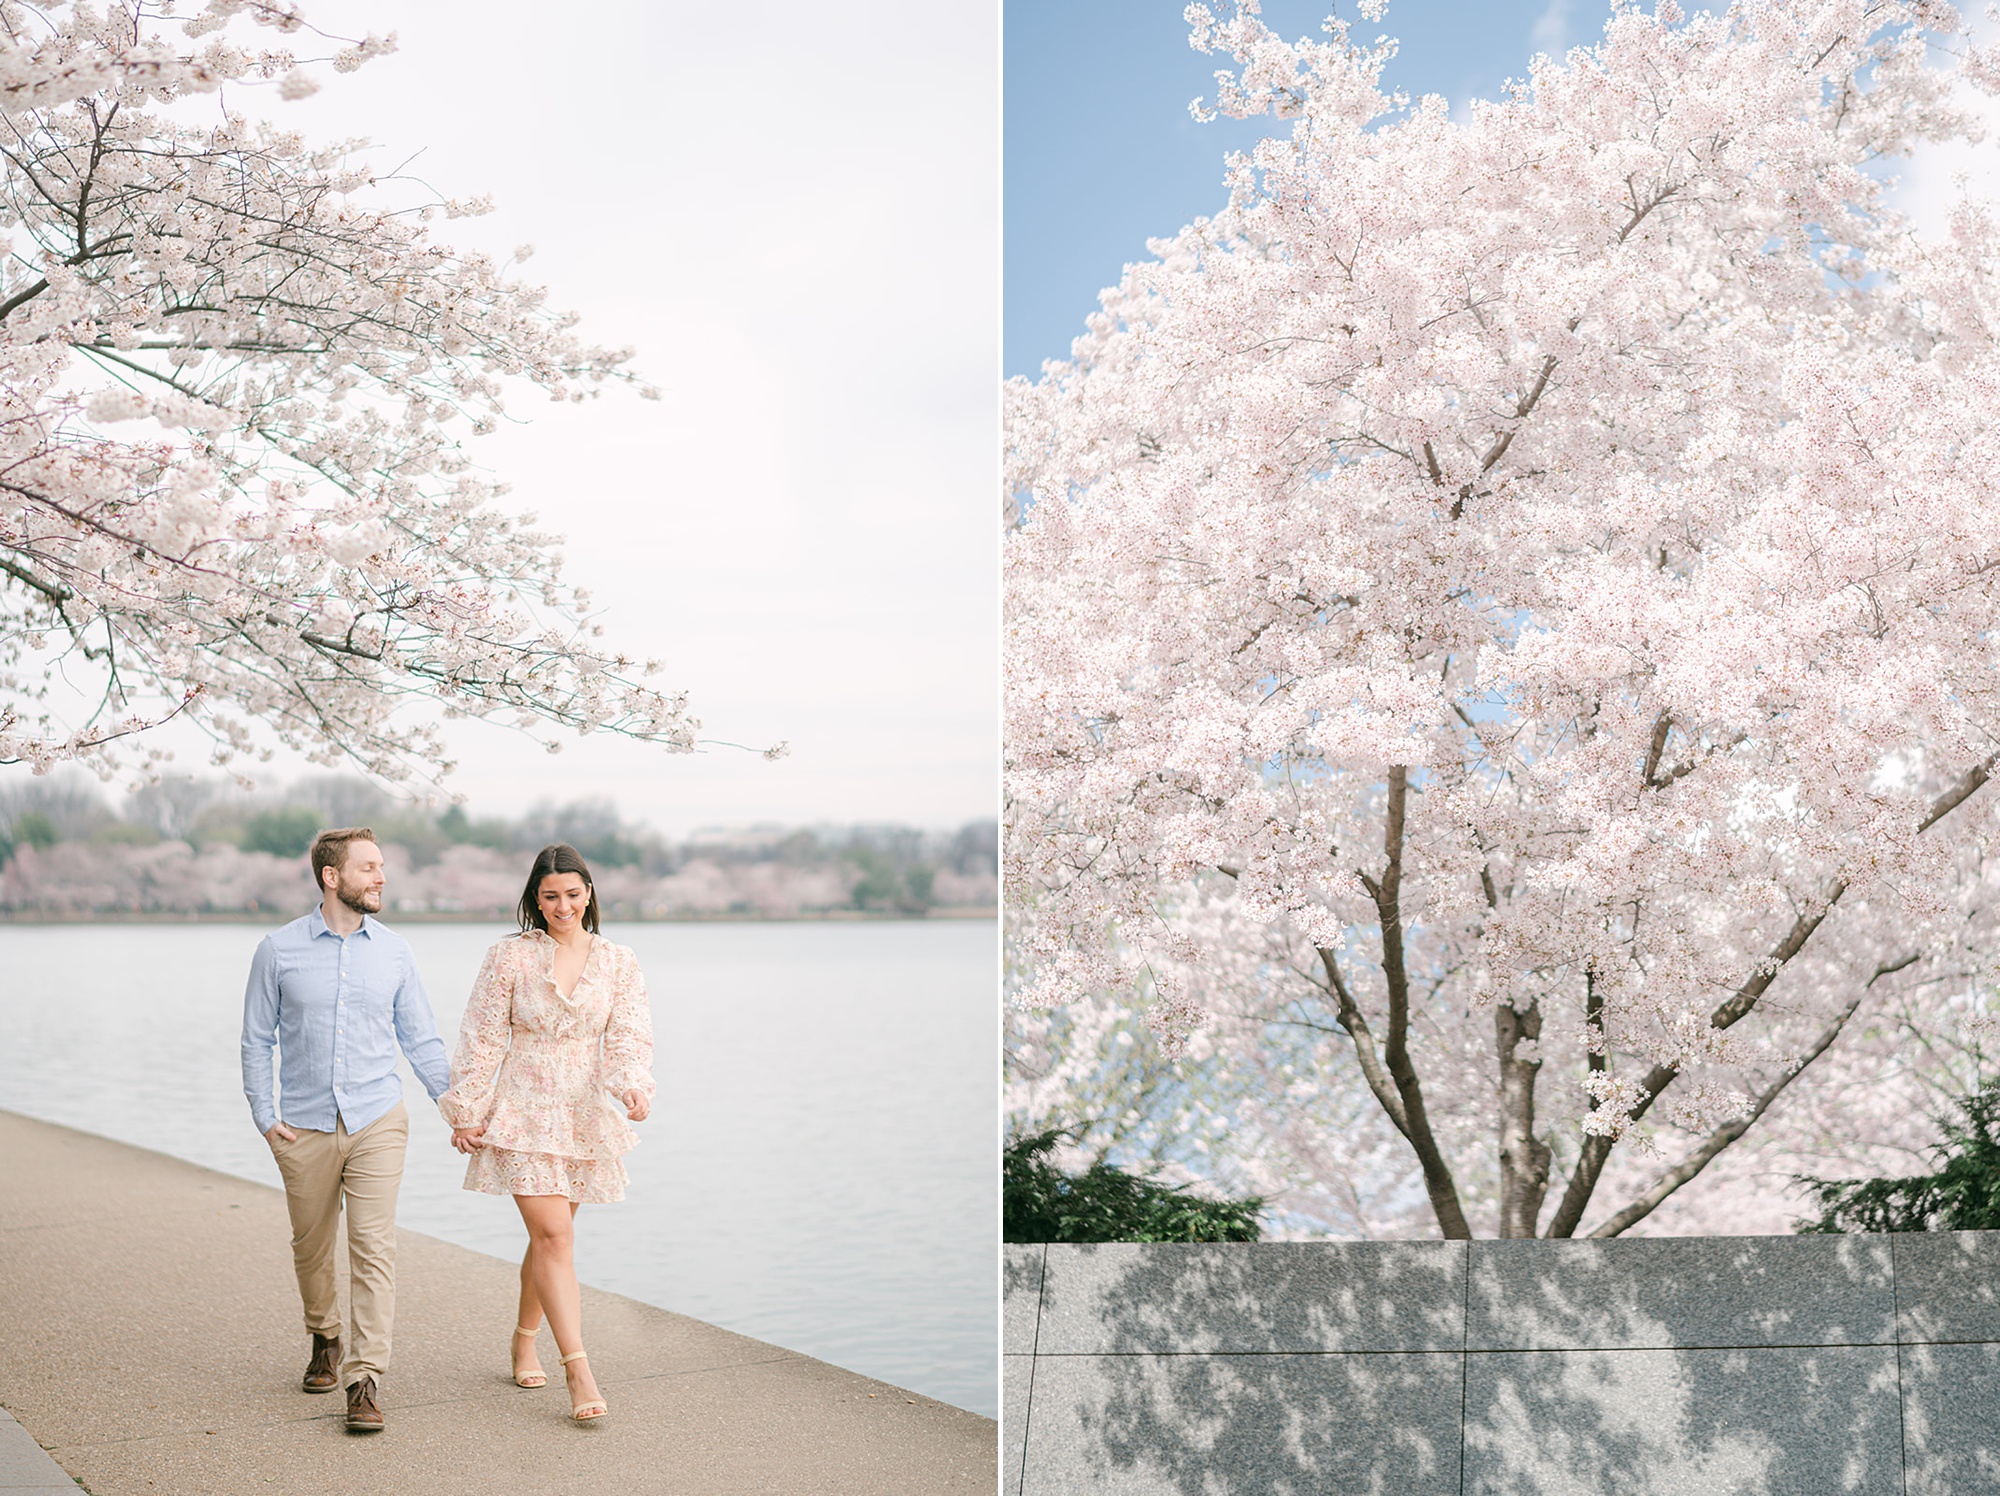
1101, 153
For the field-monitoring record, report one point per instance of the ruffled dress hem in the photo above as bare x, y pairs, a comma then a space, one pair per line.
587, 1181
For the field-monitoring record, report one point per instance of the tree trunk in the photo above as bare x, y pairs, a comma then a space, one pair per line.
1524, 1158
1387, 893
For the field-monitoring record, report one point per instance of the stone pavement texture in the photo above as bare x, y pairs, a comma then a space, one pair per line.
1718, 1366
151, 1343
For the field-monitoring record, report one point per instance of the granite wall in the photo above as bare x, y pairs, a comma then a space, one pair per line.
1739, 1366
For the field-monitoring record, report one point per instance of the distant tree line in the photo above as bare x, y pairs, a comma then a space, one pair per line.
883, 869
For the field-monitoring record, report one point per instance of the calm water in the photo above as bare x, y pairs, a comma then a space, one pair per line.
817, 1172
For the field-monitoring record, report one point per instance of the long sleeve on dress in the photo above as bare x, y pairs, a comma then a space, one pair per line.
483, 1038
628, 1035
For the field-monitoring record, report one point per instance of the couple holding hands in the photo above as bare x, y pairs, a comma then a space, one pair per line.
555, 1028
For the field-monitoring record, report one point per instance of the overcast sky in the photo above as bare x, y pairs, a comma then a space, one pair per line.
792, 211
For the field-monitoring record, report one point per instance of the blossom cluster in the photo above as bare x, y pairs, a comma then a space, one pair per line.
237, 385
1513, 598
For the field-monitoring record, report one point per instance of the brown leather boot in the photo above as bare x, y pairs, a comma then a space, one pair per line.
364, 1413
323, 1371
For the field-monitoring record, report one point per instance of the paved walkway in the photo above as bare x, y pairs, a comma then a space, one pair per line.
150, 1342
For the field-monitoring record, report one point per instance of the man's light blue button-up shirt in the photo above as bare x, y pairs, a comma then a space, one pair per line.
337, 1009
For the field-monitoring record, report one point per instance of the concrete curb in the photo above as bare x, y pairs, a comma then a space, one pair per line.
25, 1467
151, 1340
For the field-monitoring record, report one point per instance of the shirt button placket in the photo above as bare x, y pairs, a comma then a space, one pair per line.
340, 1025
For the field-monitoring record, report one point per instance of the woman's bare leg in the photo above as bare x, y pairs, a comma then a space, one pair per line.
530, 1316
551, 1274
530, 1312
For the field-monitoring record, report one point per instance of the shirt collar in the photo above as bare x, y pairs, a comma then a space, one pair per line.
316, 925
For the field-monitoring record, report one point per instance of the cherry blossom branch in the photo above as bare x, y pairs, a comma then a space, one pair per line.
1597, 1045
1967, 786
1597, 1146
1662, 726
1722, 1137
1521, 412
277, 555
55, 592
1641, 211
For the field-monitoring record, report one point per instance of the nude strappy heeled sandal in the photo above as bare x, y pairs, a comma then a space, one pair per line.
592, 1410
528, 1378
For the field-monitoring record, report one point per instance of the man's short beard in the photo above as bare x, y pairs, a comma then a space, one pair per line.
358, 901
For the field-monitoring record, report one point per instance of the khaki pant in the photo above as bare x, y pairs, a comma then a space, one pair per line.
366, 1167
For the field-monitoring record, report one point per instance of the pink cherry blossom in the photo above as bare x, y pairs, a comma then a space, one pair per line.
1500, 642
237, 383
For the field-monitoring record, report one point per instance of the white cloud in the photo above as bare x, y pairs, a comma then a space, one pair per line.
1552, 33
1936, 176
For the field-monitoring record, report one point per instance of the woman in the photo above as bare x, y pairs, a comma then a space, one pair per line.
556, 1026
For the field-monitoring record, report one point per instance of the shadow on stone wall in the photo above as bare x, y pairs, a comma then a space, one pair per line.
1205, 1370
1732, 1364
1747, 1366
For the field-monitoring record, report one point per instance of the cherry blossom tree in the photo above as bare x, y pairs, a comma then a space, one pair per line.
1502, 617
237, 379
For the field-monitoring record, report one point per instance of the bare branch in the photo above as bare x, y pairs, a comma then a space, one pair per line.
1356, 1024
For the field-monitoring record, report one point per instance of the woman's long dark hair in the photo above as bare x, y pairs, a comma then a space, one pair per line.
561, 858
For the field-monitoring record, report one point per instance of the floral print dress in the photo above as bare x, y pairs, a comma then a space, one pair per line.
541, 1070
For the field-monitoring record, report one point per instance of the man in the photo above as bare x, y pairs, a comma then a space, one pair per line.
338, 993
